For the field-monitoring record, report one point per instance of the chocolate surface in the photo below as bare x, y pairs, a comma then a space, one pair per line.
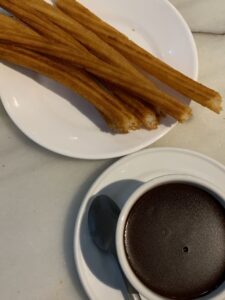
175, 241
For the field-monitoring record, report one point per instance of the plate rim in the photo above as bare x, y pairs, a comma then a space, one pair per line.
112, 169
130, 150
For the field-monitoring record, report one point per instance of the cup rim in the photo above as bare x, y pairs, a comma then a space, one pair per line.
164, 179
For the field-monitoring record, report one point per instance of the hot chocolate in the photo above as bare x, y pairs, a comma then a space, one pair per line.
175, 241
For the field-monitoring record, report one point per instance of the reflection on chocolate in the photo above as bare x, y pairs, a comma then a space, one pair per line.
175, 241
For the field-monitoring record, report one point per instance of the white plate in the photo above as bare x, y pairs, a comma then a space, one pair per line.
61, 121
98, 272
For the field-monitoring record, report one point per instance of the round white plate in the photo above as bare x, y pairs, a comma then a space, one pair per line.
98, 272
63, 122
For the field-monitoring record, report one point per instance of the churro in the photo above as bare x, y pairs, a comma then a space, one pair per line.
82, 36
174, 108
97, 50
53, 31
162, 71
143, 112
40, 8
131, 101
116, 116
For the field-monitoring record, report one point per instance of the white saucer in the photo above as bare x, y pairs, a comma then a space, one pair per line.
98, 272
63, 122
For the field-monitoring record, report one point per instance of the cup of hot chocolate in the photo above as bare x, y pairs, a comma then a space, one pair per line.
170, 239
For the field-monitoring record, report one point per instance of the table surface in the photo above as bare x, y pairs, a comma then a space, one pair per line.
41, 192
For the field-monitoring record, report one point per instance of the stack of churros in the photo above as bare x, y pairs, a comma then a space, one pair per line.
71, 45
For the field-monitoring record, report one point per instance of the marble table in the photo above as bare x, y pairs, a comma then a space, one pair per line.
40, 192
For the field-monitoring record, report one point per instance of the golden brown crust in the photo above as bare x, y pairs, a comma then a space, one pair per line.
143, 112
180, 82
52, 29
85, 37
39, 24
116, 115
124, 80
12, 32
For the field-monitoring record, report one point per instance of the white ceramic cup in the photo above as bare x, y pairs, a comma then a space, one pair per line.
217, 294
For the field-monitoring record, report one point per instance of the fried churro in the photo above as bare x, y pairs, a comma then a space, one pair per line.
15, 32
14, 29
162, 71
82, 36
143, 112
114, 113
53, 31
91, 41
96, 54
110, 73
